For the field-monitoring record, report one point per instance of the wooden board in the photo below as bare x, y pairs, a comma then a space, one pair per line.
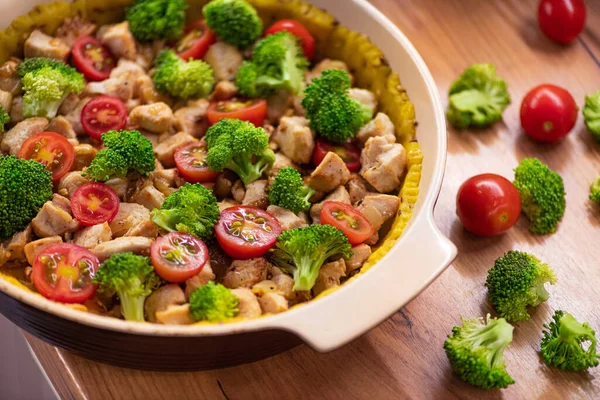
403, 358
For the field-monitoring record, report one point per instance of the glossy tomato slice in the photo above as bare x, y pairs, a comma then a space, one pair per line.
52, 150
297, 29
190, 160
178, 256
196, 41
347, 152
253, 110
347, 218
64, 272
562, 20
103, 114
92, 58
246, 232
94, 203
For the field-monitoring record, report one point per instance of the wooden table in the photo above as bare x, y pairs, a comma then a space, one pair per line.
403, 357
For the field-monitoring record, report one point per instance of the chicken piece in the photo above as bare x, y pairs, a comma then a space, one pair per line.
110, 87
149, 197
225, 204
331, 173
325, 65
340, 194
10, 81
330, 275
62, 126
279, 105
295, 139
38, 44
69, 104
156, 117
284, 282
74, 116
53, 219
119, 40
363, 96
246, 273
383, 164
134, 244
238, 191
91, 236
256, 194
166, 180
6, 99
165, 150
161, 299
17, 243
379, 208
264, 287
74, 27
223, 184
248, 303
147, 52
119, 185
225, 60
358, 188
14, 138
133, 220
84, 155
273, 303
62, 202
32, 249
175, 315
16, 110
224, 90
200, 279
380, 126
147, 93
192, 119
70, 182
286, 218
128, 71
360, 254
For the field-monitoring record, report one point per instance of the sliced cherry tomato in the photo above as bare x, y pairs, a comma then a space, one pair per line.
347, 218
562, 20
297, 29
347, 152
64, 272
52, 150
254, 110
94, 203
488, 204
103, 114
178, 256
548, 113
190, 160
196, 41
92, 58
246, 232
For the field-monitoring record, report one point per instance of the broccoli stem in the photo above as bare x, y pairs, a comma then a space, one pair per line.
495, 337
132, 307
307, 272
244, 168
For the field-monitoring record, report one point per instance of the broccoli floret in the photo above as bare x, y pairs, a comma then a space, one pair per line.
302, 251
213, 302
46, 83
25, 186
278, 64
591, 114
595, 191
289, 191
192, 209
562, 343
516, 281
132, 278
4, 118
240, 147
542, 195
333, 114
476, 351
156, 19
234, 21
477, 98
107, 164
183, 79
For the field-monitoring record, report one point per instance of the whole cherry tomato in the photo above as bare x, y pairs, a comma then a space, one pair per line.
562, 20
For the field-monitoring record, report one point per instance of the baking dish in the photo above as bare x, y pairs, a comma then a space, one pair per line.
400, 269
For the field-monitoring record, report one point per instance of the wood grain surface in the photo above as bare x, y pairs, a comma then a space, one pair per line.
403, 357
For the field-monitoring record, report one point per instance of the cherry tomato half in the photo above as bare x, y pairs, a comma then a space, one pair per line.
347, 152
347, 218
254, 110
52, 150
297, 29
195, 42
190, 160
488, 204
548, 113
92, 58
103, 114
178, 256
94, 203
246, 232
562, 20
64, 272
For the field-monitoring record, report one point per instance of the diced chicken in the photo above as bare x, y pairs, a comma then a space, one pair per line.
128, 71
248, 303
161, 299
295, 139
238, 191
146, 91
133, 220
225, 204
273, 303
360, 254
74, 116
62, 126
278, 106
246, 273
223, 184
147, 195
358, 188
166, 180
256, 194
38, 44
264, 287
331, 173
379, 208
134, 244
286, 218
340, 194
192, 119
17, 243
32, 249
14, 138
16, 110
284, 282
147, 52
325, 65
74, 27
119, 40
10, 81
363, 96
69, 104
84, 155
383, 164
53, 220
91, 236
156, 117
225, 60
380, 126
175, 315
6, 99
373, 239
165, 150
224, 90
111, 87
62, 202
119, 185
200, 279
330, 275
70, 182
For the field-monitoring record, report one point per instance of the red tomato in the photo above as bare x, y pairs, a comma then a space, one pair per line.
562, 20
488, 204
297, 29
52, 150
178, 256
190, 161
196, 41
548, 113
347, 152
347, 218
246, 232
94, 203
254, 110
103, 114
92, 58
64, 272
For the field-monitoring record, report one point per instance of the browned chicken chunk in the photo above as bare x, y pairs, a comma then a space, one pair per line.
340, 194
192, 118
175, 315
10, 81
54, 219
248, 303
256, 194
286, 218
14, 138
383, 164
156, 117
224, 90
133, 220
330, 275
225, 60
38, 44
246, 273
91, 236
273, 303
70, 182
6, 99
380, 126
360, 254
165, 150
134, 244
200, 279
295, 139
74, 27
161, 299
119, 40
32, 249
84, 155
331, 173
16, 244
379, 208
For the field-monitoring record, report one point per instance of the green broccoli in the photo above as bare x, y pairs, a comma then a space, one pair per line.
591, 114
288, 191
156, 19
132, 278
278, 64
542, 195
46, 83
191, 209
477, 98
24, 188
127, 151
302, 251
240, 147
183, 79
516, 281
4, 118
213, 302
562, 343
234, 21
476, 351
333, 114
595, 191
